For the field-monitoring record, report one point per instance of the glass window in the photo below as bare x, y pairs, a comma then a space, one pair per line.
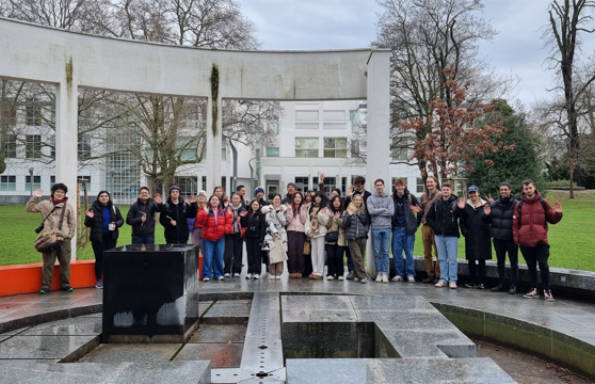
187, 148
223, 151
8, 183
301, 183
343, 186
52, 181
306, 147
33, 112
203, 183
420, 185
334, 115
84, 148
329, 184
400, 154
272, 151
187, 184
11, 147
36, 182
33, 146
335, 147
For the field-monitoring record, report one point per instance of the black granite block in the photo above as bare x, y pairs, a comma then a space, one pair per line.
150, 290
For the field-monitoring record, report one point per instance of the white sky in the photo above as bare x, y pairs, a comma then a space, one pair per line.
517, 51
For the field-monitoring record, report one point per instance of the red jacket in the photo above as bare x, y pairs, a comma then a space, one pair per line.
532, 229
214, 231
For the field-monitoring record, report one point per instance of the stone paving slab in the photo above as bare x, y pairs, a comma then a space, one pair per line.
41, 347
220, 355
228, 309
414, 371
134, 353
14, 331
81, 326
219, 333
179, 372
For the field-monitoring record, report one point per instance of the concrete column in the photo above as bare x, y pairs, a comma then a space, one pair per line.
214, 141
378, 157
67, 134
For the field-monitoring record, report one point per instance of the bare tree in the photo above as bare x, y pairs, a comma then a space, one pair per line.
569, 19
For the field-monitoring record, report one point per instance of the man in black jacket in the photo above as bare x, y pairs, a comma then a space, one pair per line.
174, 214
141, 217
404, 226
499, 214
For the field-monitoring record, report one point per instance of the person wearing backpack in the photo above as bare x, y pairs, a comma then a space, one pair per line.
529, 228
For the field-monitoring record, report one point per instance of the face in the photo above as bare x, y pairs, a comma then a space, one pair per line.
276, 201
446, 191
529, 190
337, 203
474, 196
297, 199
59, 194
255, 206
103, 198
379, 188
358, 187
259, 195
290, 189
334, 193
218, 192
174, 194
317, 200
242, 191
308, 198
400, 189
236, 200
504, 192
143, 194
214, 202
201, 199
430, 184
358, 200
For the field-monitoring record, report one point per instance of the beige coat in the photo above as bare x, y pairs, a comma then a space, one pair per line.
45, 207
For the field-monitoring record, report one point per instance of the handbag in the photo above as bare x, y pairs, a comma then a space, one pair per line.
277, 252
307, 248
51, 239
332, 237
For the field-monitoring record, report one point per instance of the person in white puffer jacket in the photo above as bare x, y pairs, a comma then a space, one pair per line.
275, 223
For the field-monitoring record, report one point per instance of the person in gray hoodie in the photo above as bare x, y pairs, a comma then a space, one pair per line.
380, 208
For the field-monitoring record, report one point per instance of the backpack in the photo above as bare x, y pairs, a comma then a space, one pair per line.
543, 204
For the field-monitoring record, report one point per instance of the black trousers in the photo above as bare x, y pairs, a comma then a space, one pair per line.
254, 255
307, 264
99, 246
533, 256
232, 256
502, 247
295, 251
477, 271
334, 257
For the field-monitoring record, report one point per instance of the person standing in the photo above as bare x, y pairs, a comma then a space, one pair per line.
241, 190
290, 191
215, 223
275, 223
234, 241
404, 226
259, 195
255, 229
381, 208
297, 215
335, 239
358, 188
104, 219
476, 230
318, 219
201, 205
499, 214
57, 215
141, 217
529, 229
356, 223
174, 214
427, 233
443, 220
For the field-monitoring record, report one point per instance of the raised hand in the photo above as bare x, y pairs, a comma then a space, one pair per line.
37, 194
90, 214
557, 207
487, 210
173, 222
191, 199
350, 191
490, 199
461, 203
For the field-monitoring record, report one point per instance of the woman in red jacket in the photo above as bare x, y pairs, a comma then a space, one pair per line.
215, 223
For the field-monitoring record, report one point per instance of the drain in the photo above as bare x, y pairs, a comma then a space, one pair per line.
262, 374
263, 347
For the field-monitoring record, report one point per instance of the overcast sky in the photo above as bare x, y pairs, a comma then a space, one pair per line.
517, 50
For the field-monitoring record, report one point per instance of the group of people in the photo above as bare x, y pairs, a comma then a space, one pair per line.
312, 229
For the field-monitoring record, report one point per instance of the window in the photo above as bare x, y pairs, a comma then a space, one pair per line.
306, 119
273, 127
33, 146
400, 153
301, 183
329, 184
84, 148
187, 148
187, 184
36, 183
11, 113
224, 184
343, 186
33, 112
11, 147
353, 117
306, 147
334, 119
52, 180
335, 147
420, 185
8, 183
203, 182
272, 151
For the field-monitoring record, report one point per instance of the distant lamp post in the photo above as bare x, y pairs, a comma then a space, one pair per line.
31, 180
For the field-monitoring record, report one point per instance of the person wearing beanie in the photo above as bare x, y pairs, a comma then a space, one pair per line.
57, 214
259, 195
174, 214
104, 219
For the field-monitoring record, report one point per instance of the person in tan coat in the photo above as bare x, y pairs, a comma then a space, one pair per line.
51, 210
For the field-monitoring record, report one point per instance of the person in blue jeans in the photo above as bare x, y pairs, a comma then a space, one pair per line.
380, 208
404, 226
215, 222
442, 217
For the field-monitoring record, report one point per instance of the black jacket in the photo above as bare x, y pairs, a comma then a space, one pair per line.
501, 218
136, 212
96, 222
177, 234
442, 218
254, 224
356, 225
476, 229
405, 202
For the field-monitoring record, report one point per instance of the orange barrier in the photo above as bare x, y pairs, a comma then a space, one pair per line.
26, 278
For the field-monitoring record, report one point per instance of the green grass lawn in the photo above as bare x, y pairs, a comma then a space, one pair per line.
572, 240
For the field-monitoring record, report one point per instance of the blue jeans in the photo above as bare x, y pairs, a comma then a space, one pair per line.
403, 243
213, 257
143, 239
381, 242
447, 247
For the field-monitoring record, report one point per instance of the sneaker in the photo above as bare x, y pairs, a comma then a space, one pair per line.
385, 277
379, 277
480, 286
43, 291
512, 290
532, 294
330, 277
278, 277
67, 289
350, 275
99, 284
221, 278
547, 295
428, 280
452, 285
410, 279
248, 276
440, 284
340, 278
396, 278
227, 274
363, 280
236, 275
205, 279
469, 285
498, 288
256, 276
